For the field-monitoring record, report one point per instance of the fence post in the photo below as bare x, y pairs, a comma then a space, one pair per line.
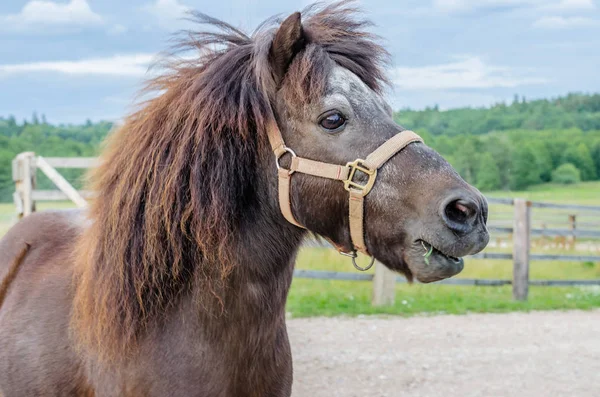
572, 227
24, 168
384, 286
521, 237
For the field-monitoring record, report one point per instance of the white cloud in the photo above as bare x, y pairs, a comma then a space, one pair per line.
133, 65
571, 5
38, 14
457, 6
467, 72
168, 13
446, 99
557, 22
117, 29
462, 6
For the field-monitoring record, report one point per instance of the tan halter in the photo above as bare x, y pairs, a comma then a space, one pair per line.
341, 173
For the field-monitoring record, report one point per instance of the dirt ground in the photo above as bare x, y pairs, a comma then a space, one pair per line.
535, 354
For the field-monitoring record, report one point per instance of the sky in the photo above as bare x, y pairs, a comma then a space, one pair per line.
74, 60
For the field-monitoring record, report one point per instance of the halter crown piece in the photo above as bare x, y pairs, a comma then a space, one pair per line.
343, 173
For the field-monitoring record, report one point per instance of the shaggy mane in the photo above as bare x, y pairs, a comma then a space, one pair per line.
175, 179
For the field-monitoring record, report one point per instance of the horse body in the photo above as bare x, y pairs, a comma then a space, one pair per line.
40, 294
174, 280
189, 353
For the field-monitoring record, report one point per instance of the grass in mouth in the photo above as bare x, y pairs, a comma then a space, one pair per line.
427, 253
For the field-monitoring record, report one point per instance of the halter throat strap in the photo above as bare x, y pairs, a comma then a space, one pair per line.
344, 173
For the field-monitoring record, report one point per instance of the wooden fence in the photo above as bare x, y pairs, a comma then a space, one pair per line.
517, 225
24, 170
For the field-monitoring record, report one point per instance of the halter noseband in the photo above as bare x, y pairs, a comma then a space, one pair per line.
341, 173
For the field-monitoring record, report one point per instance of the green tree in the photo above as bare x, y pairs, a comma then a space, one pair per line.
466, 158
581, 157
488, 173
500, 149
525, 169
12, 122
46, 140
566, 174
573, 111
444, 144
596, 156
544, 161
6, 182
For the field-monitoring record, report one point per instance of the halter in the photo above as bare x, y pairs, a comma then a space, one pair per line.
342, 173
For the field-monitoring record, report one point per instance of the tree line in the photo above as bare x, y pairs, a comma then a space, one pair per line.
512, 147
37, 135
517, 159
507, 146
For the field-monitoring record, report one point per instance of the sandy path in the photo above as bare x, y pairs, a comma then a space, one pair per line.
518, 354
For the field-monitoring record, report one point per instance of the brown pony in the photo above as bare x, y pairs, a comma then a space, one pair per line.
174, 281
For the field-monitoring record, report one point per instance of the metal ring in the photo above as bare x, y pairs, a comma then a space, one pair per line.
351, 254
362, 269
285, 150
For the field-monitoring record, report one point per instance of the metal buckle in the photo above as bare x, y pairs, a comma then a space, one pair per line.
355, 165
285, 150
354, 255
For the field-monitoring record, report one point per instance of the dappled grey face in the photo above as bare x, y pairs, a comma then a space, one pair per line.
420, 217
367, 121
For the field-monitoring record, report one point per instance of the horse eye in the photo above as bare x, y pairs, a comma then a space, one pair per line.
333, 122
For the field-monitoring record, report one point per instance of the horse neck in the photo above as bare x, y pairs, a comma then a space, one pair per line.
266, 245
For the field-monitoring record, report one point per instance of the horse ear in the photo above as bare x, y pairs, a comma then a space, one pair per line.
289, 40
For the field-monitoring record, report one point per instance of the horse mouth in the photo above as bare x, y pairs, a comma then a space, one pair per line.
436, 253
429, 263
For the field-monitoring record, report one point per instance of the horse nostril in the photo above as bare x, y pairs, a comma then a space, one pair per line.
460, 214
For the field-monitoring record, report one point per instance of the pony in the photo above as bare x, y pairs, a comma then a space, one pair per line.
174, 280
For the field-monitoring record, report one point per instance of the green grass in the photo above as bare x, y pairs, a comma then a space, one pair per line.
330, 298
585, 193
8, 216
328, 259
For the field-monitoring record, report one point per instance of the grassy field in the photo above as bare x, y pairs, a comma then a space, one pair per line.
587, 193
324, 297
8, 216
328, 298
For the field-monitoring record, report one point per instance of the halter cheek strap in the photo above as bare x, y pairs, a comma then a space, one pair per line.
345, 174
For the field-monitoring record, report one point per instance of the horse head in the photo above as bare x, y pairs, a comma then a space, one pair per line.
420, 217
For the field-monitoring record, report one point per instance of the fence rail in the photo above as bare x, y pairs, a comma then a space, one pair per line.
347, 276
26, 164
537, 204
72, 162
57, 195
549, 232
